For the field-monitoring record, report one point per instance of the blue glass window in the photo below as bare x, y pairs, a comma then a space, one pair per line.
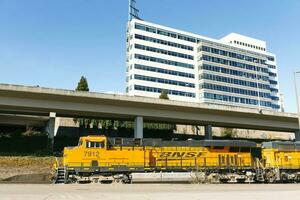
165, 81
163, 61
162, 51
163, 71
159, 90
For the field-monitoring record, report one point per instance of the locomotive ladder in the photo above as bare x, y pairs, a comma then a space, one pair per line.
260, 175
60, 175
259, 171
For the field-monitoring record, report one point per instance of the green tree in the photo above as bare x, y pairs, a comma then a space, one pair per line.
164, 94
228, 132
83, 84
116, 124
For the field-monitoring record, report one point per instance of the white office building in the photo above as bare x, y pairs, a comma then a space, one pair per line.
235, 70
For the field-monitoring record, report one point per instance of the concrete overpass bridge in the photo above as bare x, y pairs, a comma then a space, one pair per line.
23, 120
52, 103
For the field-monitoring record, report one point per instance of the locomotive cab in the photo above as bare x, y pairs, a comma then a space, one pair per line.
87, 153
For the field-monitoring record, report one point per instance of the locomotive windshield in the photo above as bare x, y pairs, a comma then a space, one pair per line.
90, 144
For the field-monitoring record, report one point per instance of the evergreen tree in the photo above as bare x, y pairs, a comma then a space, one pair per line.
164, 94
83, 85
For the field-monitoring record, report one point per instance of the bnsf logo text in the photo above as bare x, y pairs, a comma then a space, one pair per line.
176, 154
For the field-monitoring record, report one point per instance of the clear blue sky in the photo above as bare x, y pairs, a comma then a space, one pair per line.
52, 43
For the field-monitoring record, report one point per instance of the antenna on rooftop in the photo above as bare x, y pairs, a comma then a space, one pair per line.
133, 12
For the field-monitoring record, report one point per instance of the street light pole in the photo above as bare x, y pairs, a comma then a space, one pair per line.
297, 97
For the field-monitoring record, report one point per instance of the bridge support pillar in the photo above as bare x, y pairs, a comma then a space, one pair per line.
138, 127
208, 132
51, 129
297, 135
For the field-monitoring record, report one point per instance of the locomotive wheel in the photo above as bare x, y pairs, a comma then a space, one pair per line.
270, 177
95, 180
284, 177
297, 178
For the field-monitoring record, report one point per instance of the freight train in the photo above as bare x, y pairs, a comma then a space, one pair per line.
100, 159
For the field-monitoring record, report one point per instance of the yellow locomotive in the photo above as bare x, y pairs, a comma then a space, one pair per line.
281, 161
102, 159
127, 160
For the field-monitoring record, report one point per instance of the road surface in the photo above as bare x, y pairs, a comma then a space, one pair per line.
149, 191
